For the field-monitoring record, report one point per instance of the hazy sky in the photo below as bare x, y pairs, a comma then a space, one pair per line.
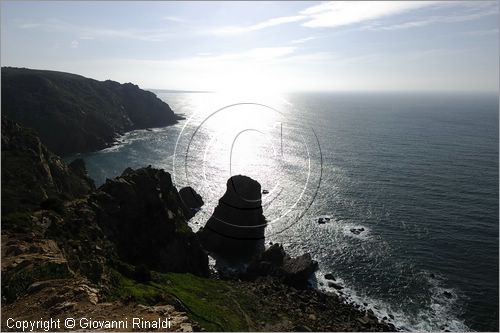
249, 45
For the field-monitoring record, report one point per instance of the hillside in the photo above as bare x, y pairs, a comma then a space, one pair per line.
71, 113
125, 250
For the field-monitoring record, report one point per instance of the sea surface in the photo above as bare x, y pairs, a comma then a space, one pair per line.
419, 172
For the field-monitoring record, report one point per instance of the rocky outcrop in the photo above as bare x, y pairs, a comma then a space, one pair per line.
288, 309
191, 201
236, 228
97, 252
31, 174
71, 113
141, 213
275, 262
60, 299
28, 260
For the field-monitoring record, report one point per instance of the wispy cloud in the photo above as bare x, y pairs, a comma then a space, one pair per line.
234, 30
341, 13
331, 14
304, 40
173, 19
432, 20
74, 44
29, 25
152, 35
252, 55
486, 32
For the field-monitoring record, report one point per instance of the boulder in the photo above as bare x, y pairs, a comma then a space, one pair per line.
297, 271
335, 285
357, 231
329, 276
274, 254
235, 231
275, 262
447, 294
191, 201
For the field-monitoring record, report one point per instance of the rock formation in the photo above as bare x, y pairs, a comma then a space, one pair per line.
275, 262
236, 228
71, 113
55, 224
31, 174
142, 214
191, 201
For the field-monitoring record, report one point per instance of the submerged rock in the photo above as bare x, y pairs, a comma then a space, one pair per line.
357, 231
335, 285
329, 276
236, 228
323, 220
447, 294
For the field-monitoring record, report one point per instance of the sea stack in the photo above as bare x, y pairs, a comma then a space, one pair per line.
235, 231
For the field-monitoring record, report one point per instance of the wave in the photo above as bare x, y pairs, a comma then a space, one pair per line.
440, 315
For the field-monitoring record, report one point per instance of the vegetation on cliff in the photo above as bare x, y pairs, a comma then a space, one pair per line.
33, 176
126, 250
71, 113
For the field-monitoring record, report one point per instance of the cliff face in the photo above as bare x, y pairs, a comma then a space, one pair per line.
56, 225
236, 228
142, 213
31, 174
99, 252
71, 113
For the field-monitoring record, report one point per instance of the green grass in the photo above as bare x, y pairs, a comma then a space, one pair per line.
214, 304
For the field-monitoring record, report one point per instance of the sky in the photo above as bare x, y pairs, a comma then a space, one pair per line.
268, 46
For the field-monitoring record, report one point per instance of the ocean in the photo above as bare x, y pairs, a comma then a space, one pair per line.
416, 172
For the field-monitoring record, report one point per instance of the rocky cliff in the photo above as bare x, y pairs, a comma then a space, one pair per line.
71, 113
32, 176
236, 228
142, 213
55, 224
125, 250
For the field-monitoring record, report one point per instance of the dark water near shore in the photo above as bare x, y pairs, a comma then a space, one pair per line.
419, 172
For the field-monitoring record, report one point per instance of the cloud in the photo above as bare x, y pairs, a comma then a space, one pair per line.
341, 13
74, 44
482, 32
234, 30
261, 54
433, 20
303, 40
173, 19
29, 25
331, 14
151, 35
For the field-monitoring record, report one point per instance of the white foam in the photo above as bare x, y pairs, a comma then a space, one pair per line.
440, 316
364, 235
